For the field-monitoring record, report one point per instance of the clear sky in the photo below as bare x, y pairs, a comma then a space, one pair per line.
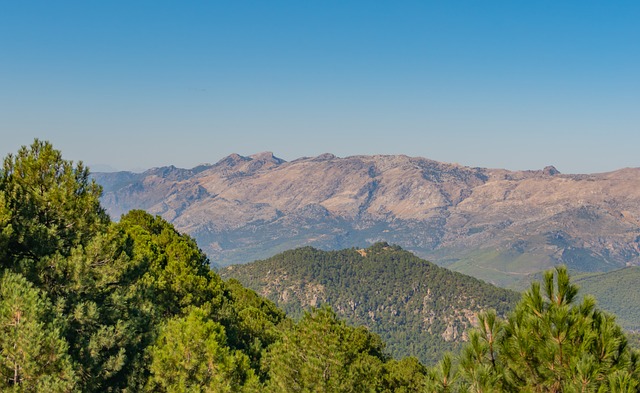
511, 84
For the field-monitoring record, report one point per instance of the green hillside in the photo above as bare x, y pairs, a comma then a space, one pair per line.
418, 308
617, 292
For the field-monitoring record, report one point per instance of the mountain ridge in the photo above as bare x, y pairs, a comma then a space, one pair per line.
495, 224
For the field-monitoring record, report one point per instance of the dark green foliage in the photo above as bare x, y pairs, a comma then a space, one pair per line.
172, 272
33, 355
413, 304
191, 355
404, 376
47, 206
323, 354
253, 322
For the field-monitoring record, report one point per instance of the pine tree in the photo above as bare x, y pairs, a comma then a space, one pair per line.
47, 206
549, 343
441, 378
323, 354
33, 355
191, 356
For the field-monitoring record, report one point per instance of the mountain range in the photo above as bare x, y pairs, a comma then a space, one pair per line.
499, 225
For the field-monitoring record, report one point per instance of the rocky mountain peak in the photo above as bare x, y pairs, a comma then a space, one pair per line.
267, 156
550, 171
233, 160
324, 157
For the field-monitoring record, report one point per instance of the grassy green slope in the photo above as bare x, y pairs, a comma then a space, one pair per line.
418, 308
504, 268
617, 292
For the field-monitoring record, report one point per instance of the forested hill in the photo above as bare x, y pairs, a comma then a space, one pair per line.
418, 308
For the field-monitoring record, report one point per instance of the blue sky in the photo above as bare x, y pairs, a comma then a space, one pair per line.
137, 84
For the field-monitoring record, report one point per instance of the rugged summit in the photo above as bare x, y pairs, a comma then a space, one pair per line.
496, 224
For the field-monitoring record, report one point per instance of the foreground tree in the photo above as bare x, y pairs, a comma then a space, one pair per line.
47, 206
323, 354
33, 355
191, 355
549, 344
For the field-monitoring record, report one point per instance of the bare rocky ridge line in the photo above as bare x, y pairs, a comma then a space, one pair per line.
495, 224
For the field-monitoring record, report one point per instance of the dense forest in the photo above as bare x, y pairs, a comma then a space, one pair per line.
88, 304
418, 308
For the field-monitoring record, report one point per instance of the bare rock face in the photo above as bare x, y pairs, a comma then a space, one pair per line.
495, 224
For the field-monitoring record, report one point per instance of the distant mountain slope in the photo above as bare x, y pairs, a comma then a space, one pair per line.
494, 224
617, 292
418, 308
